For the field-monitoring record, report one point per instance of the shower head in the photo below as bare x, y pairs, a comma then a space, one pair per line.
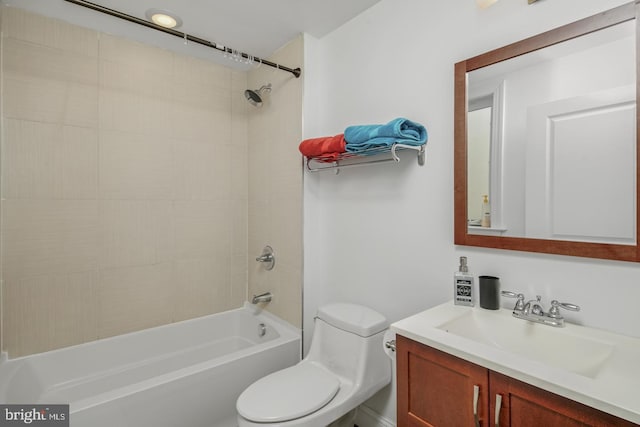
255, 96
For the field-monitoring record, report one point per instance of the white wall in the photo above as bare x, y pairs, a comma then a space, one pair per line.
383, 235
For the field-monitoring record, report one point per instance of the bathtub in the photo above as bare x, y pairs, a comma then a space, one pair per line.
183, 374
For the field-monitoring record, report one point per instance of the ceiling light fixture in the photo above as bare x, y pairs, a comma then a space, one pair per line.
483, 4
164, 18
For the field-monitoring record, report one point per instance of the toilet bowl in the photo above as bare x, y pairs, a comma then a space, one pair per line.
346, 365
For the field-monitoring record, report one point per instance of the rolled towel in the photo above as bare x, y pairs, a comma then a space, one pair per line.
400, 130
328, 147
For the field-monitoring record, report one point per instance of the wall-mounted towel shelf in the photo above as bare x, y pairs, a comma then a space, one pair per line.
363, 158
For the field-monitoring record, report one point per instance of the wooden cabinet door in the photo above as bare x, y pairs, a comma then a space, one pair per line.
436, 389
524, 405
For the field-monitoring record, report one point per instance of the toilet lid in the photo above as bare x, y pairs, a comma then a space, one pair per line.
288, 394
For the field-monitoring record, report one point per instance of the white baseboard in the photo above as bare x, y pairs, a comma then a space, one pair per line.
366, 417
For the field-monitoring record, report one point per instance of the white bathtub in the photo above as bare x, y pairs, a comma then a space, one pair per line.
186, 374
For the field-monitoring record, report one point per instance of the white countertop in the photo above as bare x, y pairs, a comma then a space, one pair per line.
614, 388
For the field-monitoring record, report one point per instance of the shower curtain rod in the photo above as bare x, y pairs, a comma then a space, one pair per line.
295, 71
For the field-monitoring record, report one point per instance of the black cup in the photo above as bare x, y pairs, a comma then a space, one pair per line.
490, 292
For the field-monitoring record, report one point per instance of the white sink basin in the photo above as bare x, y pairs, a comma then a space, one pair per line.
558, 347
592, 366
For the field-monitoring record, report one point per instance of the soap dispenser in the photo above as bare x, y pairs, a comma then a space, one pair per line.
485, 219
463, 293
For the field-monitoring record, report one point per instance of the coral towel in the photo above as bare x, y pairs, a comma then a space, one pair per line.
326, 147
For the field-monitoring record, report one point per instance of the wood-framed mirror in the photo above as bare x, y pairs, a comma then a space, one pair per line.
549, 191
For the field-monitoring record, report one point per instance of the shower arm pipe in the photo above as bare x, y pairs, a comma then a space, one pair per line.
93, 6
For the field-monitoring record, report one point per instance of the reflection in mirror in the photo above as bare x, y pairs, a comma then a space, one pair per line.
485, 134
549, 133
569, 140
479, 138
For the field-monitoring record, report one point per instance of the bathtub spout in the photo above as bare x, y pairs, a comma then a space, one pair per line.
266, 297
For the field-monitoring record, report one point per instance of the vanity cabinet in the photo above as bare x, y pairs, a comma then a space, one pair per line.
436, 389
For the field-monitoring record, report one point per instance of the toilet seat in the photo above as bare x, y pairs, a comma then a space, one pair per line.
288, 394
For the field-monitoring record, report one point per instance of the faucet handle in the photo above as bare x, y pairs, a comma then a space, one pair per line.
554, 311
519, 303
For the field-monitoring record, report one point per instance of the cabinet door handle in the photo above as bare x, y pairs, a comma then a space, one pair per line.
476, 394
498, 407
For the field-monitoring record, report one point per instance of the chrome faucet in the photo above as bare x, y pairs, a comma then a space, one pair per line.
533, 307
533, 311
267, 257
266, 297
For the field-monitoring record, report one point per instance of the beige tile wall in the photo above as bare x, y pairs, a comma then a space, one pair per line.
275, 185
124, 184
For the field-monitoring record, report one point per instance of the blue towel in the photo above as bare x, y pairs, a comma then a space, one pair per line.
400, 130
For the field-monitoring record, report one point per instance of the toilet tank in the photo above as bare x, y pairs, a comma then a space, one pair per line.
353, 318
347, 340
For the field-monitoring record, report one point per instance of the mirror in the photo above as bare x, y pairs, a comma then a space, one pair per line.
547, 129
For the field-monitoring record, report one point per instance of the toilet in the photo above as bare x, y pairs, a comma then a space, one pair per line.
346, 365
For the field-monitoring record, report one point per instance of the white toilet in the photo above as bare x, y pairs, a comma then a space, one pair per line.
345, 366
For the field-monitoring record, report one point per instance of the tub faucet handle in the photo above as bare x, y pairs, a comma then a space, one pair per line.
267, 257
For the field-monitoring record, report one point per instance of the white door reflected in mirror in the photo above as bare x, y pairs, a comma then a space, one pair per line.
561, 157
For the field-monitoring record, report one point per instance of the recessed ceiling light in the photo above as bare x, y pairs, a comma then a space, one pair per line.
164, 18
483, 4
